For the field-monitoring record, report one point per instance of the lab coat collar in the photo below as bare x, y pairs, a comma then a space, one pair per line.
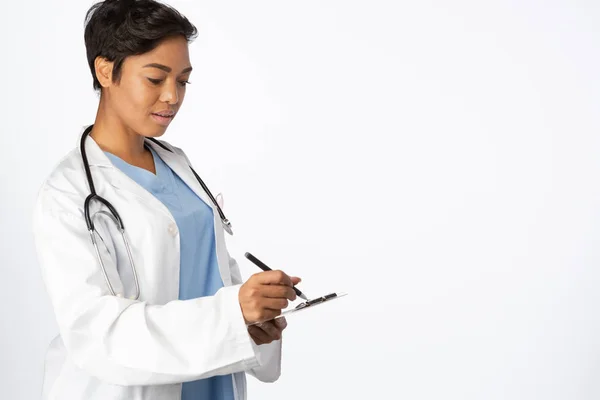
179, 165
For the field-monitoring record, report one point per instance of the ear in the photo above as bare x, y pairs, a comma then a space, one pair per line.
103, 69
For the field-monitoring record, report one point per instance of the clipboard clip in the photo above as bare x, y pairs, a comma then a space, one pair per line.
306, 304
318, 300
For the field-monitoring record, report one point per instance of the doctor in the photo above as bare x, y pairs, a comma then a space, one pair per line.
161, 312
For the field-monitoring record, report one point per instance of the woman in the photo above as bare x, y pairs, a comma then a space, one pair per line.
165, 315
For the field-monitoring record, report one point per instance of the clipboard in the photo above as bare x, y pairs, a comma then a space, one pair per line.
306, 305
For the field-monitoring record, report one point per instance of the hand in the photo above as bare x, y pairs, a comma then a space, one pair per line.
266, 332
265, 294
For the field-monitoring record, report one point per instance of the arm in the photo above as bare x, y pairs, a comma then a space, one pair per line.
269, 355
122, 341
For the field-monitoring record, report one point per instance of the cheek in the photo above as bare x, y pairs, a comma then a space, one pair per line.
141, 98
134, 103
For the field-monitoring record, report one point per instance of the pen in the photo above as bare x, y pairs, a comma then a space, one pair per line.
264, 267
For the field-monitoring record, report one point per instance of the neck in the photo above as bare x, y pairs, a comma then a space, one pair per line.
113, 136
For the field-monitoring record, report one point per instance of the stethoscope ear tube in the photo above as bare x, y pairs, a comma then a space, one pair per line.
117, 218
224, 220
88, 218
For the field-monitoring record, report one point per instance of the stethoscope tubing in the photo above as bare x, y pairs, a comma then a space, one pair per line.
114, 215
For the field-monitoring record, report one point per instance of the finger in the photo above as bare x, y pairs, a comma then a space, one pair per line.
281, 323
272, 330
277, 292
295, 280
256, 340
274, 304
276, 277
259, 335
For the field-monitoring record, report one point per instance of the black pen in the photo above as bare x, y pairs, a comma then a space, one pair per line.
264, 267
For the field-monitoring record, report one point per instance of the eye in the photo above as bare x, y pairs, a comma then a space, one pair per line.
155, 81
184, 83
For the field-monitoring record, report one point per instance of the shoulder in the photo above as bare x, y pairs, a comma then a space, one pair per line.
66, 173
64, 188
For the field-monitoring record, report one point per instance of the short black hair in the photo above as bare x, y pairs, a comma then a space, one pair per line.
116, 29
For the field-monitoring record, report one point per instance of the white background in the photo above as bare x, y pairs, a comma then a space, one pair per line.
437, 160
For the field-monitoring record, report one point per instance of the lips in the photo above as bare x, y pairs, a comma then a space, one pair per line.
166, 114
163, 118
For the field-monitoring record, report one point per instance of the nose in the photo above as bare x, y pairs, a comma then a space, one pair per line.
170, 93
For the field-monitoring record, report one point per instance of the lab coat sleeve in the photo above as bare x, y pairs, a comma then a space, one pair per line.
124, 341
269, 355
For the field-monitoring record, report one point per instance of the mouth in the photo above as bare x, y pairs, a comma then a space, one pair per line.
163, 118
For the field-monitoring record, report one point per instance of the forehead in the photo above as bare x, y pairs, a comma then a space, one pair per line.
172, 52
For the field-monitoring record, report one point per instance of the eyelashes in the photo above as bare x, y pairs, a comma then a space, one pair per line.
159, 81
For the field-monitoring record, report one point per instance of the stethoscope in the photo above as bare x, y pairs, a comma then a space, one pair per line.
114, 215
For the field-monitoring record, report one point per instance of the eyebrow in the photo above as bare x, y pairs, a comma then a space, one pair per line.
165, 68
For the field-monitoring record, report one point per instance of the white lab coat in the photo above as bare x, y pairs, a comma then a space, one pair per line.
115, 348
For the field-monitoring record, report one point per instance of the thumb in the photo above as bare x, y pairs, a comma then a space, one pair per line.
295, 280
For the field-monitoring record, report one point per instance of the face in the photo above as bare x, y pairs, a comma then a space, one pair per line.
151, 88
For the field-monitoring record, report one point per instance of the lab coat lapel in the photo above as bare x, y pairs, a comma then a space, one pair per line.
183, 170
100, 164
98, 161
180, 166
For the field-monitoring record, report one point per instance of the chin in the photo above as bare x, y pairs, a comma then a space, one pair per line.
154, 131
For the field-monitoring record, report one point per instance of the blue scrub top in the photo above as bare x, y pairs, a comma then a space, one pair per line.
199, 271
